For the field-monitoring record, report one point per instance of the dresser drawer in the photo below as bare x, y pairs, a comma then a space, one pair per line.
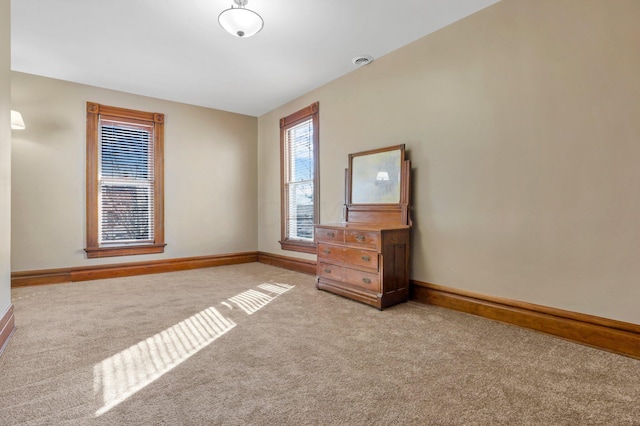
354, 278
361, 279
362, 238
332, 272
349, 256
329, 235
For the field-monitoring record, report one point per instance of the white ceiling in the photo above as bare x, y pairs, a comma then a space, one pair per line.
175, 49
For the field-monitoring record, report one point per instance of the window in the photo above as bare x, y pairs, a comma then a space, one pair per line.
125, 206
299, 177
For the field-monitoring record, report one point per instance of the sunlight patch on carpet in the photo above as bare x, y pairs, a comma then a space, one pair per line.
251, 301
127, 372
277, 288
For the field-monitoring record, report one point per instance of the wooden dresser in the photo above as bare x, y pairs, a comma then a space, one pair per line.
366, 258
367, 263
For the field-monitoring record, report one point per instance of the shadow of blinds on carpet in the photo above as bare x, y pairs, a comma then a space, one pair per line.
127, 372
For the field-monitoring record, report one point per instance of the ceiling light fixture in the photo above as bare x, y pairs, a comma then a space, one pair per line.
17, 123
240, 21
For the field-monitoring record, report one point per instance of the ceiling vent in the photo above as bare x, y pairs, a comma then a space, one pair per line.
362, 60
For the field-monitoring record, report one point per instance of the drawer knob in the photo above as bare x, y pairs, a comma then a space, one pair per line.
326, 251
331, 234
366, 258
360, 237
327, 270
366, 280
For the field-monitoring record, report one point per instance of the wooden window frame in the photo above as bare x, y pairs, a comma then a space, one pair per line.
93, 248
286, 123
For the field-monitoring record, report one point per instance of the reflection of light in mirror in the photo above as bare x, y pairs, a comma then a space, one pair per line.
382, 176
127, 372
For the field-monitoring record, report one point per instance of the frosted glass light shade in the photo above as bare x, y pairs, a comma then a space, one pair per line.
17, 123
240, 22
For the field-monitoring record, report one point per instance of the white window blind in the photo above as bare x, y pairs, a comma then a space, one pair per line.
299, 181
126, 182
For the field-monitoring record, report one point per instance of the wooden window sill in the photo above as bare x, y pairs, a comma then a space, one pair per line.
298, 246
96, 252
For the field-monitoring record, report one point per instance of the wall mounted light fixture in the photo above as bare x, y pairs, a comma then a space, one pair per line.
17, 123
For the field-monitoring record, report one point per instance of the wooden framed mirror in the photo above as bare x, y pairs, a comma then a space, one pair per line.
377, 186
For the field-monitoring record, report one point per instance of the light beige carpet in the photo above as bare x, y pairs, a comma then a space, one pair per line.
257, 345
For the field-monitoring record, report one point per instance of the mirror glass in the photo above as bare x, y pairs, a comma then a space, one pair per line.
375, 177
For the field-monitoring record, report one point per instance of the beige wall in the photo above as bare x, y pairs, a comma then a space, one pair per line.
210, 176
522, 122
5, 156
